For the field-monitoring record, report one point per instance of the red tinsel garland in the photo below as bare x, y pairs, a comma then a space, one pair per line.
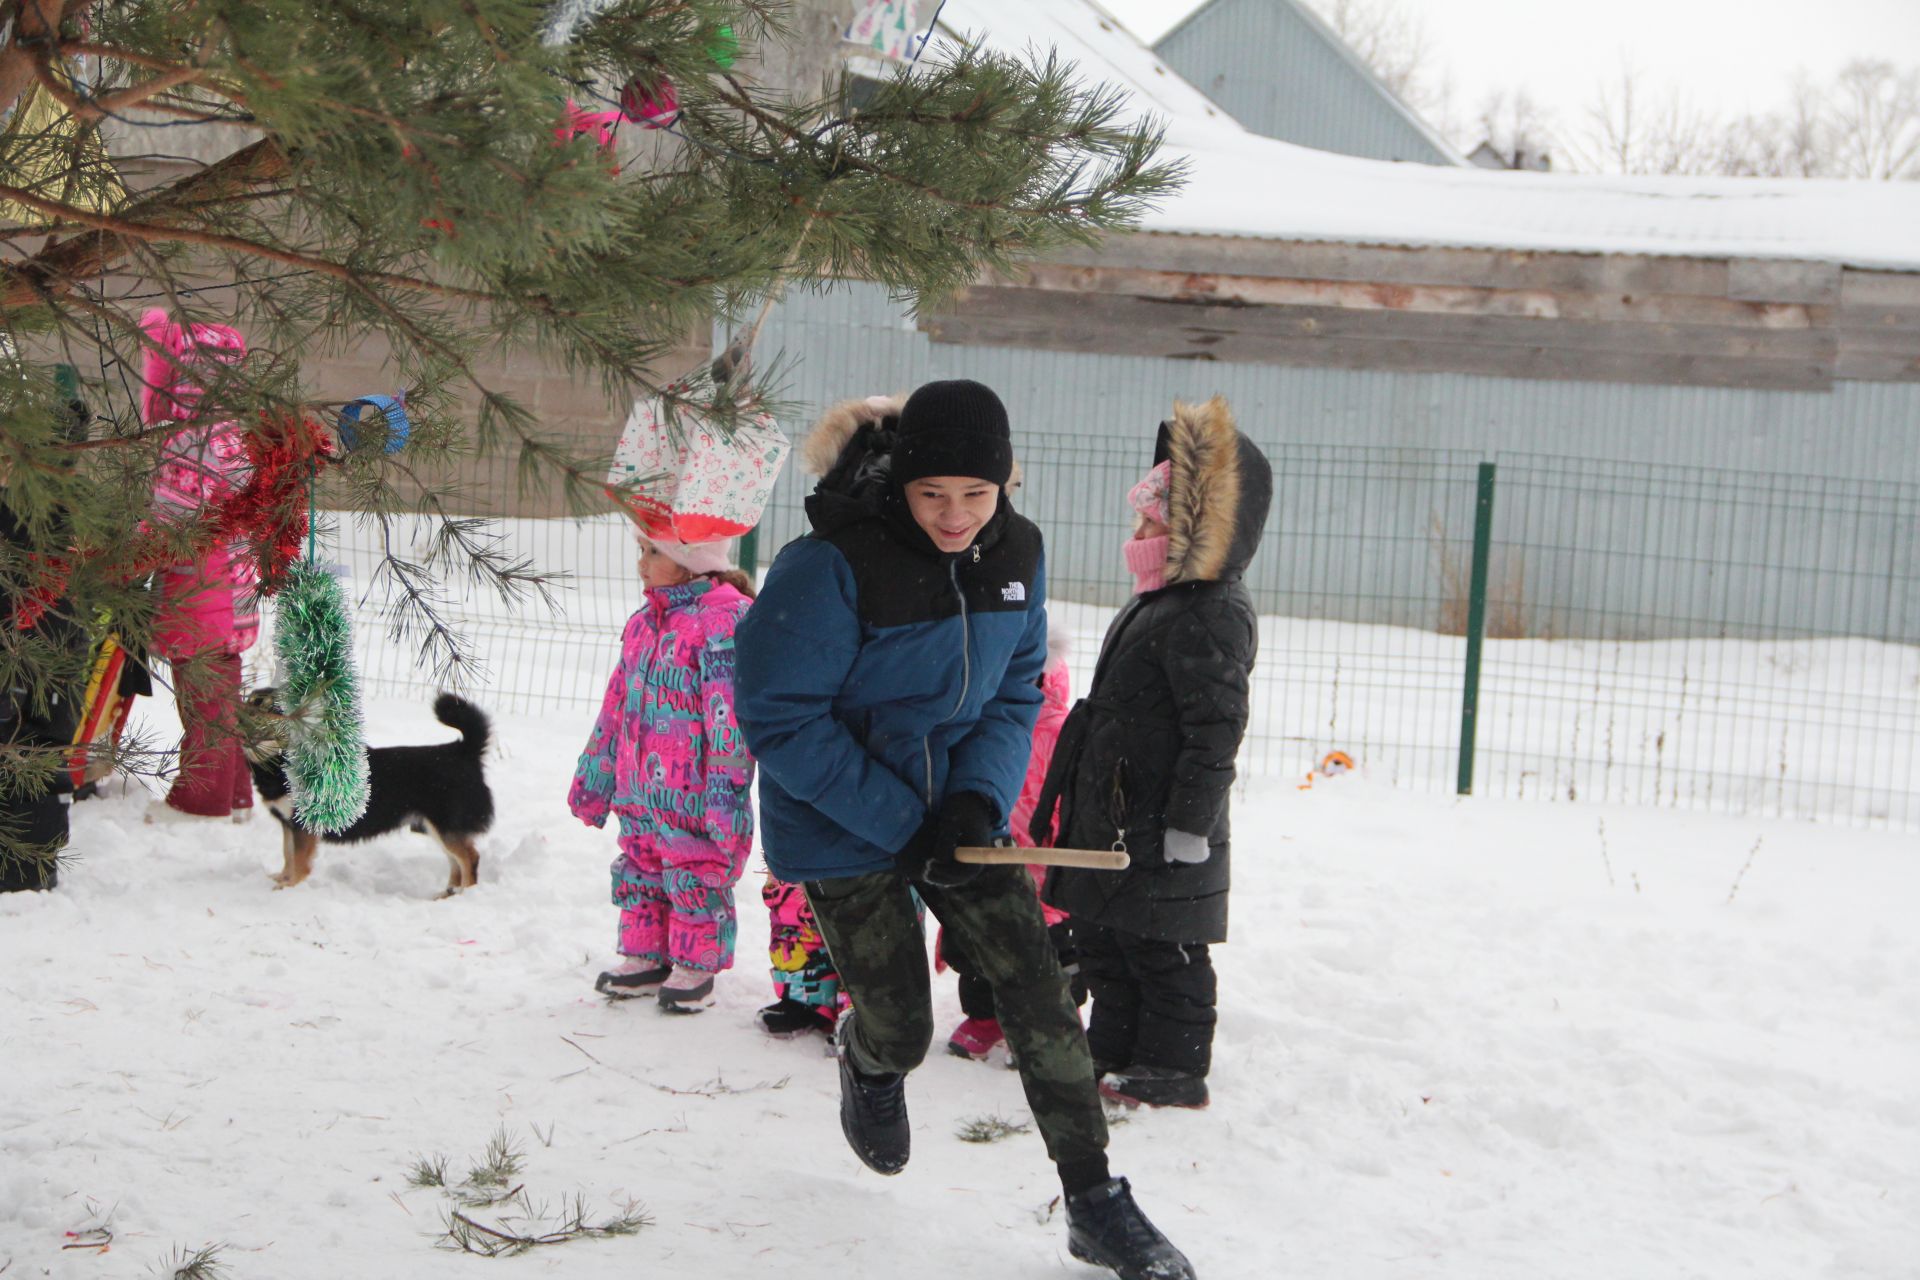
268, 514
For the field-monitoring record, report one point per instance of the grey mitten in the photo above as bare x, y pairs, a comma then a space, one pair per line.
1184, 846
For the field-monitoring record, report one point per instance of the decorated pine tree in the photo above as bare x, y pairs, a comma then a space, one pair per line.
583, 182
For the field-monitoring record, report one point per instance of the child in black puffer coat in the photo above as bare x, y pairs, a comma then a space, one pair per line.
1146, 760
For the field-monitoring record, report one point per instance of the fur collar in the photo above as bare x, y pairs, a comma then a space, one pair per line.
836, 427
1203, 496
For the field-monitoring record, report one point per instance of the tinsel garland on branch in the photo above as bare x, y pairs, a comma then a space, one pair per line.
319, 694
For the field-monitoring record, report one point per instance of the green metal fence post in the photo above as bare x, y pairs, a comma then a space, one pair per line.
750, 551
1476, 623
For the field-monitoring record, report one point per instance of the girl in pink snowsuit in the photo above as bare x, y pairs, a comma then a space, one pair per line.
205, 617
667, 757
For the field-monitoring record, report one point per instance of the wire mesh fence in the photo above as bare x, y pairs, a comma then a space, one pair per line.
1688, 637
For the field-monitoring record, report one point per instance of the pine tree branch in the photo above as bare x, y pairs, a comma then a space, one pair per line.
162, 234
53, 271
84, 108
86, 49
34, 21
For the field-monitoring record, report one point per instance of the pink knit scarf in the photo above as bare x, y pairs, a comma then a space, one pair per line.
1147, 561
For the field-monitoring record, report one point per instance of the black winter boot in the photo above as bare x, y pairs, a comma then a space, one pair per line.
1105, 1227
873, 1110
1156, 1087
786, 1018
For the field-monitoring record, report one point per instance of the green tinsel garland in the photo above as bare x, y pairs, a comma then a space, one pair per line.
327, 758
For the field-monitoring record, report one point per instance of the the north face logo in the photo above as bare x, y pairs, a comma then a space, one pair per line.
1014, 591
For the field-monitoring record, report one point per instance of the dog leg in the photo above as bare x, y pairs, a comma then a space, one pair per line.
304, 845
463, 860
284, 877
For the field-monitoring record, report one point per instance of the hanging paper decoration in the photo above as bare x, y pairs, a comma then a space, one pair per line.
598, 123
44, 150
327, 755
655, 109
886, 27
698, 483
723, 46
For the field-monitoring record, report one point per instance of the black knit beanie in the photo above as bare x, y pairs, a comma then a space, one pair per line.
956, 428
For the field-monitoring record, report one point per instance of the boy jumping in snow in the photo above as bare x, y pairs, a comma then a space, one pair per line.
888, 684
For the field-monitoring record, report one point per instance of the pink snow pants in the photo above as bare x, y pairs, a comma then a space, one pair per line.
676, 901
213, 780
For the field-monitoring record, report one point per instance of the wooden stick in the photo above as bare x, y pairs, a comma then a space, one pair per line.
1085, 859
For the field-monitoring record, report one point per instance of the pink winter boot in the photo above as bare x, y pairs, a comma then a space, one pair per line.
975, 1038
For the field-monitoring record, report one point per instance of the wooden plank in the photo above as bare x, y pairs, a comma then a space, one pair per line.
1879, 288
1393, 355
1387, 355
1391, 264
1870, 366
1879, 354
1783, 280
1094, 315
1106, 324
1233, 290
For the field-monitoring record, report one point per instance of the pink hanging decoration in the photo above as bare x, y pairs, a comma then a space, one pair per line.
599, 123
654, 110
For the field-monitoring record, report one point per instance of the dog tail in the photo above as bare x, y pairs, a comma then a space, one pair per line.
475, 729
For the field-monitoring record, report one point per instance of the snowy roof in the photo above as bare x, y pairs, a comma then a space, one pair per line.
1241, 184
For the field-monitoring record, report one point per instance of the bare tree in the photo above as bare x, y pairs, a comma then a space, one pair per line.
1632, 130
1873, 112
1393, 41
1516, 126
1865, 123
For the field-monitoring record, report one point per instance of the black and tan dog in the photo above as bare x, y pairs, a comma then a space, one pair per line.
440, 790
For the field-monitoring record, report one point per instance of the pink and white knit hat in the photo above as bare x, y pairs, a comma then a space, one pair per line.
1149, 497
694, 557
173, 366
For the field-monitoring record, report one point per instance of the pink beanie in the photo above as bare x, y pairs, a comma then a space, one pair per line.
1149, 497
173, 387
694, 557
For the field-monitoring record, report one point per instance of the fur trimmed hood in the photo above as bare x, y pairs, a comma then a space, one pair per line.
1217, 496
830, 436
849, 450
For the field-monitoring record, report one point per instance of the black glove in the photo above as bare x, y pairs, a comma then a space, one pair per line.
966, 818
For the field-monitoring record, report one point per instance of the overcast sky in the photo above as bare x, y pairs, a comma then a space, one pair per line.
1731, 56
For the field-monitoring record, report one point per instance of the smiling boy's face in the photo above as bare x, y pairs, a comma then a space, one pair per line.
952, 509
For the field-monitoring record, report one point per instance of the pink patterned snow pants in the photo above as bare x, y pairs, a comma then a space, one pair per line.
676, 901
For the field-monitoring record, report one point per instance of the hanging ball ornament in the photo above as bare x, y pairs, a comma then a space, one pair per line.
655, 109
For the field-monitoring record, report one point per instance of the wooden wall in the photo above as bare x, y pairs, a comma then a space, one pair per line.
1766, 324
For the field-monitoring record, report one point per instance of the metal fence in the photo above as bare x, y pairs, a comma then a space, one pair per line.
1522, 625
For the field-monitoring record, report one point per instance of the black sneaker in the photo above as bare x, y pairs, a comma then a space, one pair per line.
1105, 1227
788, 1018
873, 1111
625, 984
1155, 1087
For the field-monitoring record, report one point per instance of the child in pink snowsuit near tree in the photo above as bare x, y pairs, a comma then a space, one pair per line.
205, 617
667, 758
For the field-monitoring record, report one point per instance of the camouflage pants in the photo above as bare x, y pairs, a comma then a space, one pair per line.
875, 938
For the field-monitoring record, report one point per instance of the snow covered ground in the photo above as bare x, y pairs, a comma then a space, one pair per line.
1482, 1039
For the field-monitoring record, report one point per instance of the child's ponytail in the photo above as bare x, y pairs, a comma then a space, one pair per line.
735, 578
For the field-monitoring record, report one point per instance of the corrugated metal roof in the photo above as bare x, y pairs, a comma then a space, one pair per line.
1241, 184
1283, 73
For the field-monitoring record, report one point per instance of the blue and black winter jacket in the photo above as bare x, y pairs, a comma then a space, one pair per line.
876, 675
